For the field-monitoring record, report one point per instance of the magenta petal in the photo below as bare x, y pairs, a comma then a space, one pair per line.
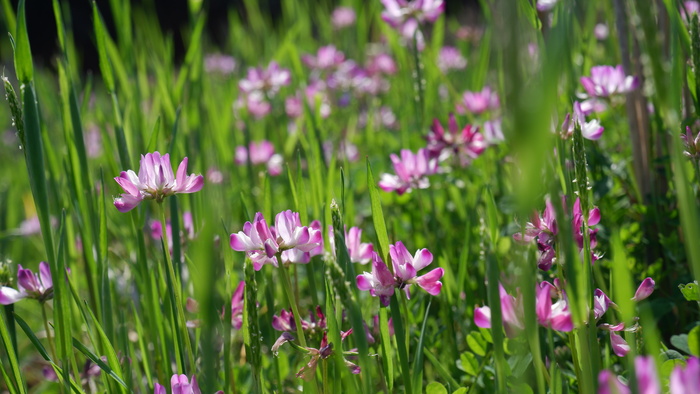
158, 389
619, 345
430, 281
422, 259
45, 275
127, 202
482, 317
644, 290
363, 282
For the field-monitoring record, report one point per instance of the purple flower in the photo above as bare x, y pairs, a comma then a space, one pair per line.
647, 378
478, 102
686, 380
214, 175
601, 31
619, 345
398, 13
466, 145
546, 5
326, 58
449, 58
218, 63
343, 17
411, 172
266, 81
606, 81
285, 321
511, 313
237, 303
179, 384
493, 134
689, 9
155, 181
644, 290
543, 230
601, 303
691, 144
38, 286
156, 228
262, 152
593, 219
382, 63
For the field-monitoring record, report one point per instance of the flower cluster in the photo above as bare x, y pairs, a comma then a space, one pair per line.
465, 145
380, 282
259, 86
358, 251
155, 181
407, 16
411, 171
591, 130
288, 240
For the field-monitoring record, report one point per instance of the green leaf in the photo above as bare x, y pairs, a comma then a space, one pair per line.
435, 388
23, 53
469, 363
418, 360
461, 390
378, 216
681, 342
101, 37
98, 362
668, 366
691, 291
694, 341
477, 343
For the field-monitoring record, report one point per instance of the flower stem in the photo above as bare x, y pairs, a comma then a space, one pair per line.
183, 336
287, 285
48, 331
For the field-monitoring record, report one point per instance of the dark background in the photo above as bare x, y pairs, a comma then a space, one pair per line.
172, 16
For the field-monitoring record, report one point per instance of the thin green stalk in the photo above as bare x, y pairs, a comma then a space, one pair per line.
45, 317
178, 312
287, 286
401, 341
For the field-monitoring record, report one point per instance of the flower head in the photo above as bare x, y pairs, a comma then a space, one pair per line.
686, 380
218, 63
267, 81
466, 144
644, 290
326, 58
38, 286
358, 251
606, 81
411, 171
478, 102
343, 17
262, 152
591, 130
450, 58
155, 181
237, 304
691, 144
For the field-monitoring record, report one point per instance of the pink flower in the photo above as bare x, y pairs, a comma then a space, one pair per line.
411, 172
262, 243
179, 384
38, 286
591, 130
686, 380
262, 152
557, 315
609, 383
543, 230
449, 58
511, 313
406, 269
380, 282
647, 378
382, 63
266, 81
285, 321
237, 304
493, 134
689, 9
326, 58
619, 345
358, 251
466, 145
593, 219
601, 303
156, 229
546, 5
644, 290
155, 181
398, 13
343, 17
606, 81
218, 63
478, 102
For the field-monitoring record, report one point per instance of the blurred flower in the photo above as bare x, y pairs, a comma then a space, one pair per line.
543, 230
686, 379
346, 150
382, 63
343, 17
37, 286
237, 303
606, 81
478, 102
214, 175
406, 16
449, 58
511, 313
32, 226
179, 384
324, 351
358, 251
93, 141
601, 302
493, 134
644, 290
285, 322
218, 63
156, 229
691, 144
619, 346
411, 171
262, 243
546, 5
326, 58
262, 152
689, 9
267, 81
155, 181
646, 375
601, 31
466, 145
